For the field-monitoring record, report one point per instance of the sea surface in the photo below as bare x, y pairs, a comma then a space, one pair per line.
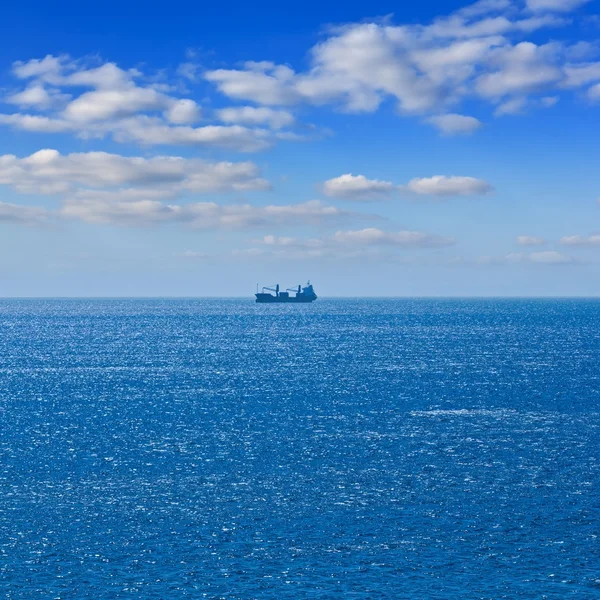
420, 449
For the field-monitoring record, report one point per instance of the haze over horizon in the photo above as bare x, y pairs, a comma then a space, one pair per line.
444, 149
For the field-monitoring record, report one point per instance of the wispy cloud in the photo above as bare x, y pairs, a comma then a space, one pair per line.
530, 240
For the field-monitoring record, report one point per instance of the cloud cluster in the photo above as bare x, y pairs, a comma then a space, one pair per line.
476, 52
358, 187
430, 70
351, 243
62, 95
199, 215
591, 241
98, 187
49, 172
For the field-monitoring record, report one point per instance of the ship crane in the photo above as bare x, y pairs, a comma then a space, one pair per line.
272, 289
297, 290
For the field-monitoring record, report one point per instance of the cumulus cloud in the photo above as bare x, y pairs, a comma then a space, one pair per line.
264, 83
38, 97
590, 241
430, 69
48, 171
98, 187
37, 123
103, 105
150, 131
356, 187
120, 103
521, 69
251, 115
530, 240
454, 124
426, 68
440, 185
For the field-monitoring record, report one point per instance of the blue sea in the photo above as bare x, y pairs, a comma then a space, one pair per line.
205, 448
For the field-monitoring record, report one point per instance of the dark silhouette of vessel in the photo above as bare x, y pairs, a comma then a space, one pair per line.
298, 295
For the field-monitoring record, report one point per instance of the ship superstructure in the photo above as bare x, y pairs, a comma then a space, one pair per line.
297, 294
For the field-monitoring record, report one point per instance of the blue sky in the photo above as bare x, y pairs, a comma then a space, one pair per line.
433, 149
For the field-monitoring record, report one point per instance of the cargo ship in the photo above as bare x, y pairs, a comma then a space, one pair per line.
291, 295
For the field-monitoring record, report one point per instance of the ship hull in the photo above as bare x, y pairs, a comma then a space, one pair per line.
270, 299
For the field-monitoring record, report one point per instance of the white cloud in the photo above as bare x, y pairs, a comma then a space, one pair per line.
350, 244
188, 70
514, 106
425, 68
549, 257
264, 83
40, 68
25, 215
183, 112
453, 124
250, 115
98, 187
440, 185
529, 240
47, 171
555, 5
118, 105
38, 97
152, 132
594, 92
518, 105
36, 123
290, 242
103, 105
375, 237
580, 240
356, 187
521, 69
200, 215
428, 69
577, 75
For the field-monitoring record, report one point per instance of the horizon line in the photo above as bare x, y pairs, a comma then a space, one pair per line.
322, 298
